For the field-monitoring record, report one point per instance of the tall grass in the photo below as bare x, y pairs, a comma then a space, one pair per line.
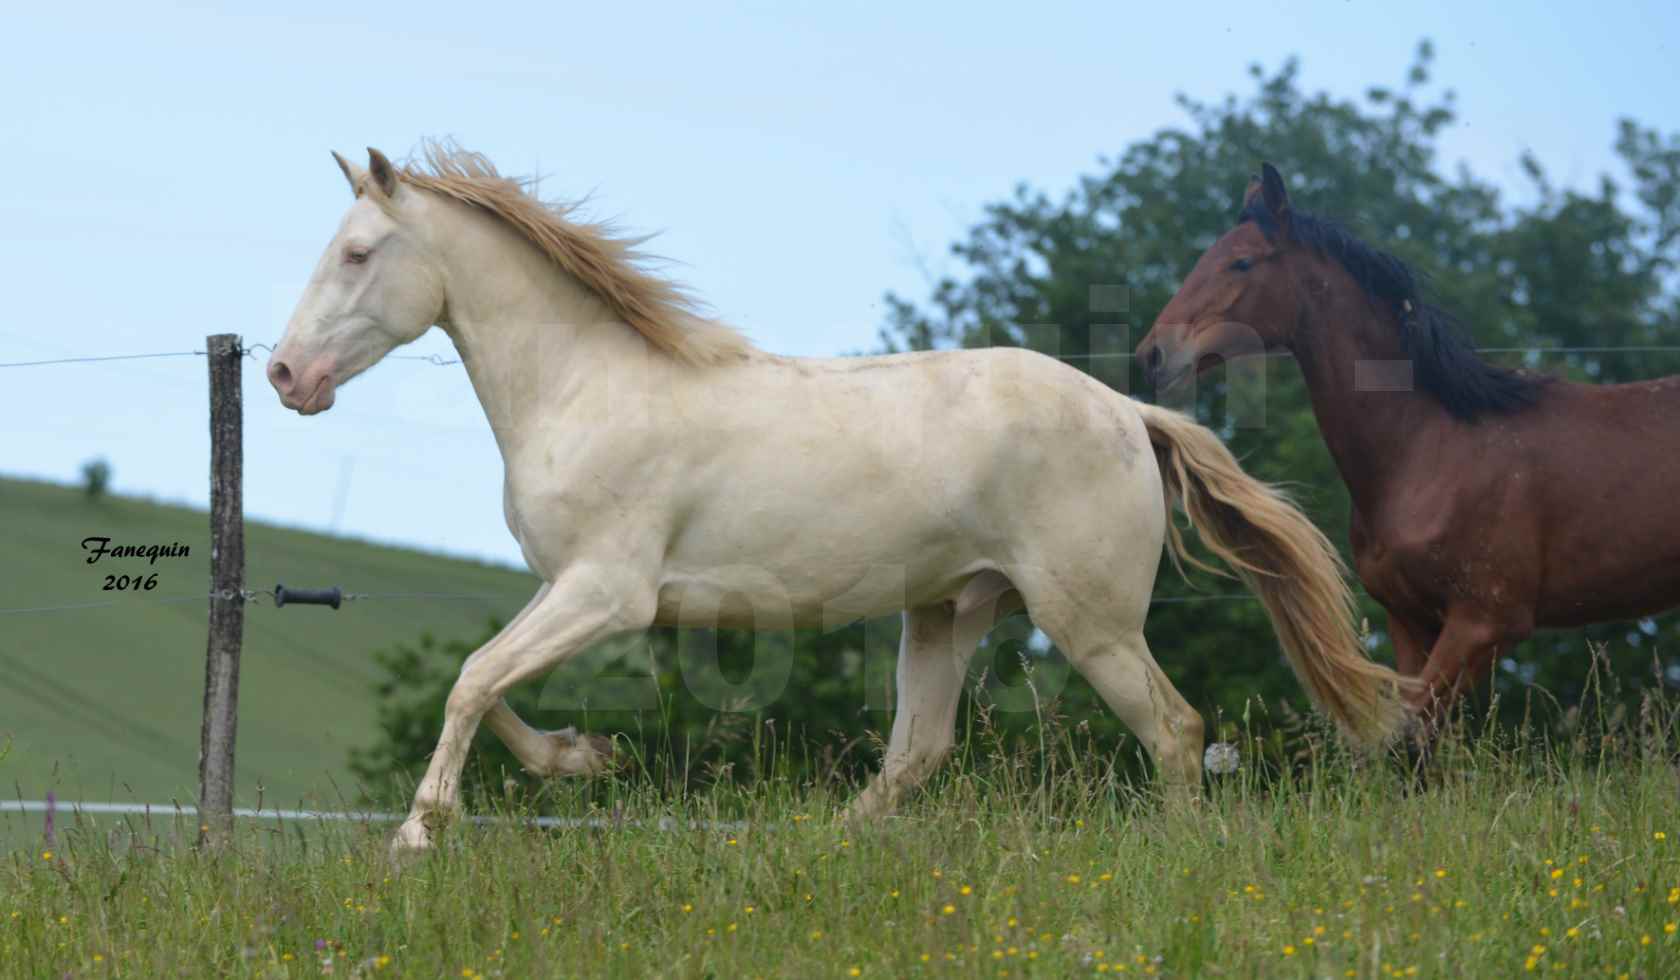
1553, 849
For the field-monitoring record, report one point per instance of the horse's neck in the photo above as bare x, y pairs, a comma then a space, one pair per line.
1364, 396
533, 340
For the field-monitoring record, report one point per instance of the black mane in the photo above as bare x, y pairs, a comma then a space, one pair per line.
1444, 363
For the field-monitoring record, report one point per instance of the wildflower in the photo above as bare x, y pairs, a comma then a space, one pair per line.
965, 890
381, 962
1659, 836
893, 893
1557, 873
949, 909
816, 933
1670, 927
46, 855
1221, 758
1440, 872
1073, 879
687, 907
1289, 951
855, 972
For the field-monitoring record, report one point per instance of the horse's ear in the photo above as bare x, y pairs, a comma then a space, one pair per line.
352, 173
1273, 192
383, 173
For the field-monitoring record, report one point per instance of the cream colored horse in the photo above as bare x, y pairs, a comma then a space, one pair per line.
661, 470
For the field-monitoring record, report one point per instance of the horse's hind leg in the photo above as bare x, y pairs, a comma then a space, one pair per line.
1120, 667
933, 657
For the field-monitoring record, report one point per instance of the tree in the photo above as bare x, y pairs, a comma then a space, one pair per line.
1571, 270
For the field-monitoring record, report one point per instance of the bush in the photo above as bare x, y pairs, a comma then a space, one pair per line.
96, 478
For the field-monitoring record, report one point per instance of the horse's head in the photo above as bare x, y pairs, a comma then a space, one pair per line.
1239, 299
378, 286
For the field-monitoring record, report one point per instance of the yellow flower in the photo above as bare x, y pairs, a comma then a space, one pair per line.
382, 962
687, 907
816, 933
855, 972
46, 855
1557, 872
1669, 927
1440, 872
1645, 940
949, 909
1073, 879
966, 890
1572, 932
1659, 836
1289, 951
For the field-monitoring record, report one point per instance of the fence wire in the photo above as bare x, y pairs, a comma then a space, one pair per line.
441, 360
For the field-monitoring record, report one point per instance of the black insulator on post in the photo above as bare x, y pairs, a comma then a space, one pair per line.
308, 597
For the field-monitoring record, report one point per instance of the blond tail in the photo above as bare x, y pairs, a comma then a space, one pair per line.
1289, 563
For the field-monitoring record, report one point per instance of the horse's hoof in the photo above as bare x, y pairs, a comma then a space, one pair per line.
574, 754
412, 840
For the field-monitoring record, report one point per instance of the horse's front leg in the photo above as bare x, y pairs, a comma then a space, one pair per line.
584, 605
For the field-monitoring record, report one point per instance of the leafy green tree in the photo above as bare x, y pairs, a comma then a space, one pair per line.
1577, 270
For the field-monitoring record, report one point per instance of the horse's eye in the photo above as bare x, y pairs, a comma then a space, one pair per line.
356, 256
1241, 265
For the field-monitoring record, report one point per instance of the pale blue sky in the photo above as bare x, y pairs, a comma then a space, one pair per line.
166, 176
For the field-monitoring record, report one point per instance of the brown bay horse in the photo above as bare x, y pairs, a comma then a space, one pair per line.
1487, 503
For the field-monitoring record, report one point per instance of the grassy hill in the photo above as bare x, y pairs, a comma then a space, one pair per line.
104, 703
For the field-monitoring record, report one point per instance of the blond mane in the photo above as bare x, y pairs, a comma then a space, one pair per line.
604, 263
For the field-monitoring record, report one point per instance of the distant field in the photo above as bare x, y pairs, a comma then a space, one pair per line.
104, 704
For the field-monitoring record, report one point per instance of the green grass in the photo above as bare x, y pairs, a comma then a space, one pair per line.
105, 704
1565, 859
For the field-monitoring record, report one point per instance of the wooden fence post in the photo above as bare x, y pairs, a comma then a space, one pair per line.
227, 585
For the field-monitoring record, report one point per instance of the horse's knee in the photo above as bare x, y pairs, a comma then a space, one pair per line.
470, 697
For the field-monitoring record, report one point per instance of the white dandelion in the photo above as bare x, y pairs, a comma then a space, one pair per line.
1221, 758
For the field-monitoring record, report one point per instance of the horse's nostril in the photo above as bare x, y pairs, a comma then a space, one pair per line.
1154, 359
280, 374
